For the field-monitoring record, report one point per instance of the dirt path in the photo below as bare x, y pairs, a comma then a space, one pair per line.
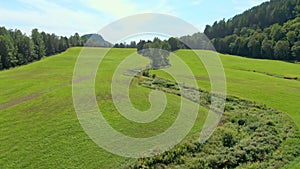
19, 101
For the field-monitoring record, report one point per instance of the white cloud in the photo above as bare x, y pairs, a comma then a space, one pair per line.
59, 18
116, 8
168, 10
49, 16
121, 8
197, 2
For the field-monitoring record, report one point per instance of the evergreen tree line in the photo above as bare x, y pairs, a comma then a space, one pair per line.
17, 48
275, 42
195, 41
270, 30
159, 50
280, 42
124, 45
259, 17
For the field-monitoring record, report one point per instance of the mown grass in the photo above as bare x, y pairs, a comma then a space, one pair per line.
42, 131
39, 127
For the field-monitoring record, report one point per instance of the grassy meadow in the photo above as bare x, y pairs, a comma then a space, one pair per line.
250, 79
39, 127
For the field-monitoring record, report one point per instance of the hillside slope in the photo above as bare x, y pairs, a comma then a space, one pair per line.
39, 127
38, 124
264, 81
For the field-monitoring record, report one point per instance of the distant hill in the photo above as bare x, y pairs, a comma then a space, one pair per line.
270, 31
95, 40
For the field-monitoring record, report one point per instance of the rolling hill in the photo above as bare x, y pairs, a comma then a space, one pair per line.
39, 127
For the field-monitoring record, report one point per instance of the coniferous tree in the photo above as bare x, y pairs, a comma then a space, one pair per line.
39, 45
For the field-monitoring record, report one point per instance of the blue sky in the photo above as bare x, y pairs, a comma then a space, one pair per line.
65, 17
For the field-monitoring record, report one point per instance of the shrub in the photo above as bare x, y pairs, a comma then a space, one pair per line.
241, 122
145, 73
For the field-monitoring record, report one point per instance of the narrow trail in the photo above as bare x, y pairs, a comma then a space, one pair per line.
19, 101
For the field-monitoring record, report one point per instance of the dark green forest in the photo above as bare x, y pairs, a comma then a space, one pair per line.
18, 49
270, 31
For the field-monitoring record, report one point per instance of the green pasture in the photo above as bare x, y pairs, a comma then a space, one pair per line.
250, 79
39, 127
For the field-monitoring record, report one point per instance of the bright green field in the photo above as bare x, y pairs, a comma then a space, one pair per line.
39, 127
275, 92
38, 124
